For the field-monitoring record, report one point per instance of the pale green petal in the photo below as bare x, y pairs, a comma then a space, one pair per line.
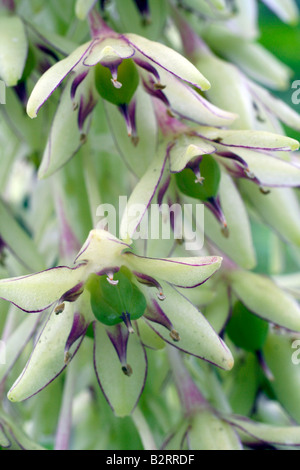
36, 292
280, 435
249, 139
269, 170
14, 48
280, 209
208, 432
148, 337
21, 245
146, 131
108, 50
265, 299
12, 434
218, 310
169, 60
48, 357
287, 10
142, 195
121, 391
191, 105
17, 341
65, 138
228, 90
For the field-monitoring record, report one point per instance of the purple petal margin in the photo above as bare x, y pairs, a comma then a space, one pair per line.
67, 73
99, 381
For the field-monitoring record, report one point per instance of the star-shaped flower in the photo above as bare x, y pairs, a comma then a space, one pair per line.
119, 293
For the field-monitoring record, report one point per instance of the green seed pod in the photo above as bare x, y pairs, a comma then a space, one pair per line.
110, 302
208, 189
246, 330
29, 65
128, 77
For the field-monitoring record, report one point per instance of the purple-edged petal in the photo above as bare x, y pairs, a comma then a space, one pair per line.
142, 195
36, 292
69, 127
121, 391
182, 272
14, 48
267, 433
76, 82
53, 78
48, 359
119, 336
249, 139
169, 60
83, 7
196, 336
79, 327
265, 169
265, 299
102, 251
